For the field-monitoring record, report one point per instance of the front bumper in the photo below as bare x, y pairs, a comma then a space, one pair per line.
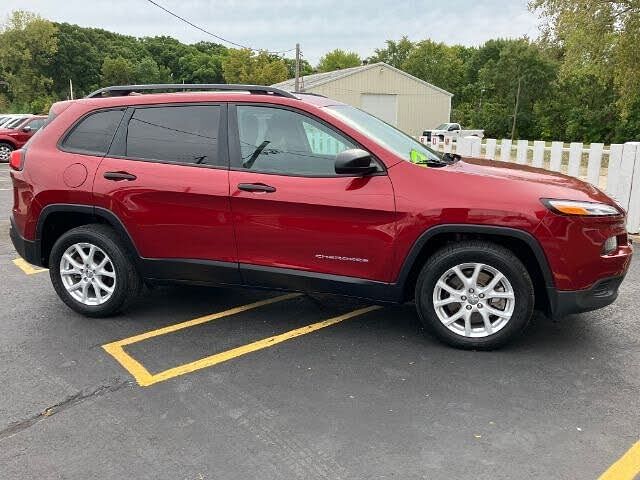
604, 292
27, 249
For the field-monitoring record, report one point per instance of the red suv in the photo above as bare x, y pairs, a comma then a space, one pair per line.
18, 132
254, 186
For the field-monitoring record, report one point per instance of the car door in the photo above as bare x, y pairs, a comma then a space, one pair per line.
291, 212
166, 178
26, 130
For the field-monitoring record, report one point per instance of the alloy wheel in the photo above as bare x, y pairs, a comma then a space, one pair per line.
88, 274
5, 153
473, 300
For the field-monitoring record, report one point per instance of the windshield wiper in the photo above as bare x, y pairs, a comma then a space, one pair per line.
452, 157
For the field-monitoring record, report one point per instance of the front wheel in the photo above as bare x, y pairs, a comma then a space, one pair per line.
5, 152
474, 295
92, 272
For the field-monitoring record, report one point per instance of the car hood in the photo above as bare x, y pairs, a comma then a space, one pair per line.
545, 182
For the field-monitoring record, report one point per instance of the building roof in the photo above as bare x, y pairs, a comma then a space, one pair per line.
317, 79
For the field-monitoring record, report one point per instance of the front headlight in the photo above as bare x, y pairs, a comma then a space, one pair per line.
572, 207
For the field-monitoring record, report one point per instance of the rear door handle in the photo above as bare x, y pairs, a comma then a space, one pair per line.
118, 176
256, 187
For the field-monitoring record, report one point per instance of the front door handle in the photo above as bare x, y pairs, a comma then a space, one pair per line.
256, 187
118, 176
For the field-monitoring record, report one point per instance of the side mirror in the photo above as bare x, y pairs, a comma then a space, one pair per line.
355, 162
26, 129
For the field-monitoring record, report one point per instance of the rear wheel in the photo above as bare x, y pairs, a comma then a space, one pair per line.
5, 151
475, 295
92, 271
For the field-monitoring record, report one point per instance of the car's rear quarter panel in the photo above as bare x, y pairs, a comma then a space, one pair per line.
42, 180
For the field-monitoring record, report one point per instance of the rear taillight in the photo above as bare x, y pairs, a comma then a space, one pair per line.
16, 161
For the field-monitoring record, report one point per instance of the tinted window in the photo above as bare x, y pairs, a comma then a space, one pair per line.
94, 133
36, 124
181, 134
281, 141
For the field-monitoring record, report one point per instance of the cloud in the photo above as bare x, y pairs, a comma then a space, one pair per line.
320, 26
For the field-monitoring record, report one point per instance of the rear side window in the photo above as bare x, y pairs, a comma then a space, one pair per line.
94, 133
175, 134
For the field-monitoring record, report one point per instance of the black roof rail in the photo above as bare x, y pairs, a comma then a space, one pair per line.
313, 94
123, 90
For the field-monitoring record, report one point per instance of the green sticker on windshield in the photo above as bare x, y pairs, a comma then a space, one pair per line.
417, 157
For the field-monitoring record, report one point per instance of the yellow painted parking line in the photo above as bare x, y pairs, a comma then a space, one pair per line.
626, 468
145, 378
206, 318
27, 267
141, 374
252, 347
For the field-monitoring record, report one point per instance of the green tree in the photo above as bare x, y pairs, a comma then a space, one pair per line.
200, 67
305, 67
166, 52
148, 71
118, 71
438, 64
395, 53
337, 60
76, 59
600, 39
245, 66
28, 44
522, 74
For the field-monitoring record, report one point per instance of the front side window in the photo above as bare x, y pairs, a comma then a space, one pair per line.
36, 124
275, 140
176, 134
398, 142
94, 133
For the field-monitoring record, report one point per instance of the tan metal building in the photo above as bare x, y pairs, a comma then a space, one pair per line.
396, 97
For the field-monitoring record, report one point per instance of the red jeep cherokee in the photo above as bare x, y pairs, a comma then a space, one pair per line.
254, 186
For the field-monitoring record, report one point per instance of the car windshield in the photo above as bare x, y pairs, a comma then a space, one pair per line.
442, 126
388, 136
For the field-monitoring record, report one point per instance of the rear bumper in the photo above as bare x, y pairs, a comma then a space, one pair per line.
604, 292
27, 249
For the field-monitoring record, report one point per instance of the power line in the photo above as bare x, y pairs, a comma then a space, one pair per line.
210, 33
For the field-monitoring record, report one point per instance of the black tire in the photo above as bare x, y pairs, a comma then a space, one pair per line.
128, 284
5, 151
473, 251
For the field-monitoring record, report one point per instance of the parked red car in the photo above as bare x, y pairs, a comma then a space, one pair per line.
258, 187
18, 134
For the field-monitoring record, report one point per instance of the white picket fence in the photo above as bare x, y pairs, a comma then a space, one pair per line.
611, 168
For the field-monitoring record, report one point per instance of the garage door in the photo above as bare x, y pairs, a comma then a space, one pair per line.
382, 106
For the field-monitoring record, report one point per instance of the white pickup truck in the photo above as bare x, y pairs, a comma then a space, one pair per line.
452, 131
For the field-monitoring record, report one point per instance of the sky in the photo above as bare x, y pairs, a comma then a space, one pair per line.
319, 26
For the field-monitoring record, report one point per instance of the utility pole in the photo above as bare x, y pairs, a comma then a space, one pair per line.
515, 112
297, 87
70, 89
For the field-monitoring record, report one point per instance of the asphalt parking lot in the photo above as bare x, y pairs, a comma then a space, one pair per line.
195, 383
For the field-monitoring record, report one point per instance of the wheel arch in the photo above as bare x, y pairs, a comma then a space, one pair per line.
56, 219
521, 243
9, 142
